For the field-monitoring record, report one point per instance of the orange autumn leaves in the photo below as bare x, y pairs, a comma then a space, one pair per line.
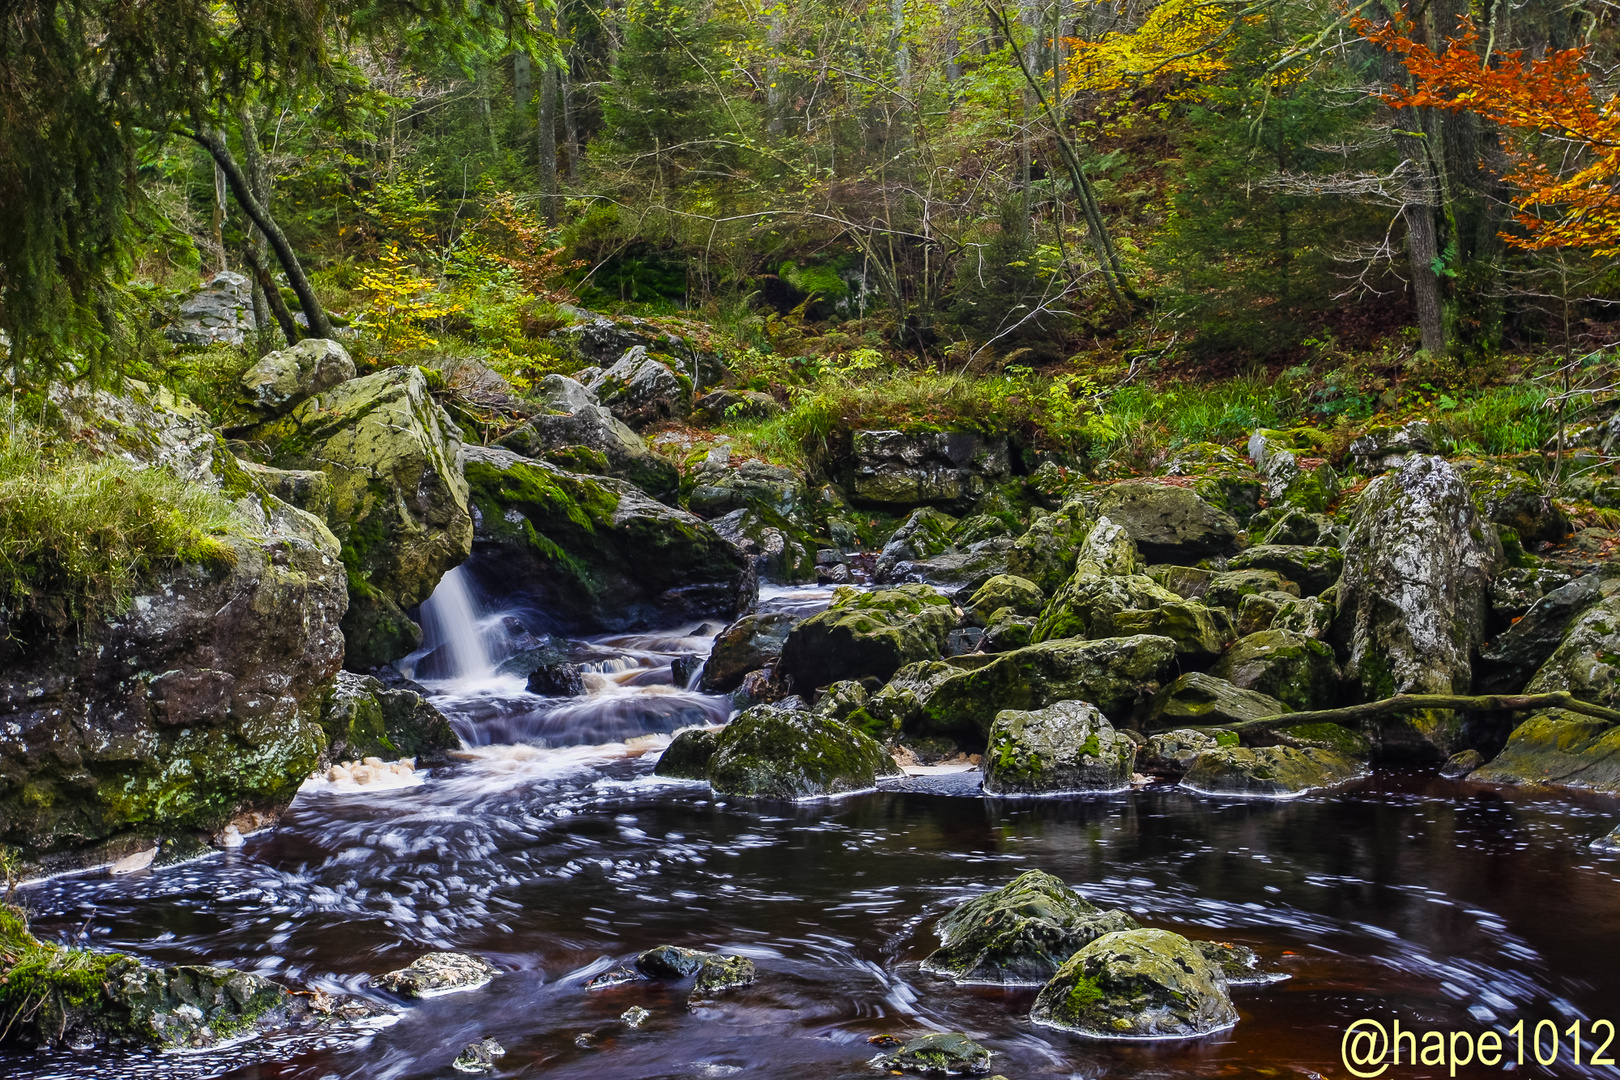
1573, 202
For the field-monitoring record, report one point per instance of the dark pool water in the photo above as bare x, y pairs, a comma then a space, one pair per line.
1441, 904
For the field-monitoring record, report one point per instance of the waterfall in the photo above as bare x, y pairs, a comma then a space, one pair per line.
451, 631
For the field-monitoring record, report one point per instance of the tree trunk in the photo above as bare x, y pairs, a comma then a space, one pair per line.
267, 303
1558, 699
214, 142
548, 141
265, 285
522, 81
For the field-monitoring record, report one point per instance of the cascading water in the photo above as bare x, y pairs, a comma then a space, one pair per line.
451, 632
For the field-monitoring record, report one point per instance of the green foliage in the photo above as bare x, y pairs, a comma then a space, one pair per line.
78, 532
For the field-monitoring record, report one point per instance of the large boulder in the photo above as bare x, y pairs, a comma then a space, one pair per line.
1018, 596
1507, 663
748, 644
865, 634
794, 754
199, 704
1045, 554
395, 496
778, 548
1413, 599
1199, 632
1137, 984
1105, 582
575, 426
898, 469
1172, 753
1019, 934
1587, 660
1066, 747
1199, 700
1558, 749
1272, 772
282, 379
363, 717
149, 426
1514, 498
220, 313
719, 487
641, 389
942, 697
1169, 523
1307, 484
1296, 670
586, 554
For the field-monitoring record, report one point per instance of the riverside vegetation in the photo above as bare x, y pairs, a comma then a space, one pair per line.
1111, 478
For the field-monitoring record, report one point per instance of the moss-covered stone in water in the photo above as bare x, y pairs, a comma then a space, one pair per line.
1137, 984
1273, 772
687, 756
50, 994
363, 718
718, 974
1066, 747
1561, 750
941, 1053
1019, 934
779, 754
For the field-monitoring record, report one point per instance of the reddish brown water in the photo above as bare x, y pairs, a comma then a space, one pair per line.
1405, 897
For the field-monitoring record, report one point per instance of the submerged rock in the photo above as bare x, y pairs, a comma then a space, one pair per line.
1137, 984
782, 754
478, 1057
936, 698
717, 974
1273, 772
1413, 599
866, 634
1461, 764
688, 754
1066, 747
1238, 964
940, 1053
1019, 934
438, 973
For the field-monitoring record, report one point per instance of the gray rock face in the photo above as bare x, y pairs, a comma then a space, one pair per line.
900, 469
1385, 448
220, 313
718, 406
754, 485
924, 534
575, 423
1273, 772
1587, 661
1507, 664
1199, 700
793, 754
1170, 524
864, 634
1413, 599
1066, 747
1019, 934
282, 379
778, 549
640, 390
436, 974
1515, 499
1137, 984
1609, 844
199, 704
746, 645
146, 426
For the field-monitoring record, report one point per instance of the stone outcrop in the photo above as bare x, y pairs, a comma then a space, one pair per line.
1066, 747
574, 426
866, 634
898, 469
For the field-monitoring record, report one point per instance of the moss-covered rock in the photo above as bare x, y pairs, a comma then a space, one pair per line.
1308, 484
721, 972
1558, 750
1088, 603
1199, 632
589, 554
783, 754
780, 549
1169, 523
1257, 611
1512, 497
396, 498
436, 974
1227, 589
575, 432
1272, 772
51, 995
924, 534
1045, 554
1019, 596
1337, 738
199, 703
1506, 664
1308, 616
640, 389
688, 755
1066, 747
746, 645
939, 1053
1296, 670
280, 380
914, 468
1137, 984
1006, 631
1311, 568
1171, 753
364, 718
1019, 934
1199, 700
1299, 528
937, 697
1587, 660
866, 634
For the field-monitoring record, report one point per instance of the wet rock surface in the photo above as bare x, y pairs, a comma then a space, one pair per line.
438, 973
941, 1053
1066, 747
781, 753
1137, 984
1276, 772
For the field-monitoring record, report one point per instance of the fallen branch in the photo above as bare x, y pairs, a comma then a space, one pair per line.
1351, 714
